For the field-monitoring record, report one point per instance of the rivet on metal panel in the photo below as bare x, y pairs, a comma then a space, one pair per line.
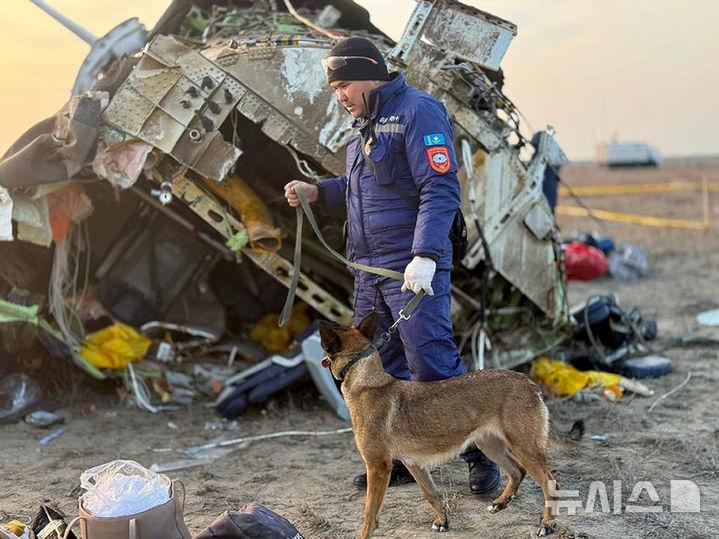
227, 60
214, 107
262, 53
206, 122
195, 135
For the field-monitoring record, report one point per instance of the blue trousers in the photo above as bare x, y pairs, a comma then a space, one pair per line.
423, 348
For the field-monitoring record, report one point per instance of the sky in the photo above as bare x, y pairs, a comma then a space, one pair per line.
630, 70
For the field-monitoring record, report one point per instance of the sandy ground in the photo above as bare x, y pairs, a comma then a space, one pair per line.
308, 480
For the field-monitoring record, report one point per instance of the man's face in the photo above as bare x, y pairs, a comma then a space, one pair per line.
349, 94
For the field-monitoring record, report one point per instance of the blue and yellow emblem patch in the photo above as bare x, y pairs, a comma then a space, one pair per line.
434, 140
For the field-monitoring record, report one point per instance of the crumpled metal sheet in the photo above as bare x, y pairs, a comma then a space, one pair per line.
56, 148
295, 106
517, 225
468, 32
175, 99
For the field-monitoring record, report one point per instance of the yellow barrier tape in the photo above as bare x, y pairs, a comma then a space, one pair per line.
644, 220
625, 189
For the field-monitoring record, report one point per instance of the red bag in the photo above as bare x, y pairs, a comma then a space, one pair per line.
584, 262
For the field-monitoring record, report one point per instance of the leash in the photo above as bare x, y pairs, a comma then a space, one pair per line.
304, 208
379, 342
384, 338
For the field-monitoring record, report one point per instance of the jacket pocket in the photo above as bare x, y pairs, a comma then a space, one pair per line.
382, 160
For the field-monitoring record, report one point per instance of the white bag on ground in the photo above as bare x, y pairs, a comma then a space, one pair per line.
122, 487
628, 263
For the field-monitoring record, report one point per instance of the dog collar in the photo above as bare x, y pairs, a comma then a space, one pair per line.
373, 347
379, 342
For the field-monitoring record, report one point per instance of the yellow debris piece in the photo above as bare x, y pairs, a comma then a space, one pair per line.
564, 380
15, 528
276, 340
114, 347
263, 235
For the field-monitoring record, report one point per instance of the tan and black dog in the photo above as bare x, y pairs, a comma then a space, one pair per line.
425, 423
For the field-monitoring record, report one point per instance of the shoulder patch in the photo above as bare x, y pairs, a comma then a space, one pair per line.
436, 139
438, 158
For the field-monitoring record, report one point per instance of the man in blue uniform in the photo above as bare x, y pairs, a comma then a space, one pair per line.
401, 192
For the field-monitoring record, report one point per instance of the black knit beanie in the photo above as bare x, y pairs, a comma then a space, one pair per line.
358, 68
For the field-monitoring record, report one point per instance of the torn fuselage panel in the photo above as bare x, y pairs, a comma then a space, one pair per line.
175, 99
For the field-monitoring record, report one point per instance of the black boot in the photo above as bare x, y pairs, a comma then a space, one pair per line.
400, 475
483, 475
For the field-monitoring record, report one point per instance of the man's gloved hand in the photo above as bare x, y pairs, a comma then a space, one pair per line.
418, 275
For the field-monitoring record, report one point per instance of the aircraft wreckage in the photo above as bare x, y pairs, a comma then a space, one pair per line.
194, 137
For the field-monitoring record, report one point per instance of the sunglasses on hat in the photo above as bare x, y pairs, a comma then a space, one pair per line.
335, 62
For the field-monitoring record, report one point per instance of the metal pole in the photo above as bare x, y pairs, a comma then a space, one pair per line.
75, 28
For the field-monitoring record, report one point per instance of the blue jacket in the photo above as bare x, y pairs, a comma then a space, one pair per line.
402, 197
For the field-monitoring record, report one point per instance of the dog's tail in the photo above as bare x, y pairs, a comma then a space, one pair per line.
574, 434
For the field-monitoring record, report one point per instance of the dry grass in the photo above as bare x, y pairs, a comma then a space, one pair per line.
314, 524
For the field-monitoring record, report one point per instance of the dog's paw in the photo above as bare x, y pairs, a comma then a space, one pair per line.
546, 528
495, 507
499, 504
440, 524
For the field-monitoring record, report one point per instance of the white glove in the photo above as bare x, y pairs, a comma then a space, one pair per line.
418, 275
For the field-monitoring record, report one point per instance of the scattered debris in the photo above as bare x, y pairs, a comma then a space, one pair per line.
18, 395
253, 521
114, 347
238, 441
646, 366
594, 239
709, 318
605, 335
49, 524
50, 437
628, 263
695, 339
15, 529
562, 380
584, 262
685, 382
198, 460
43, 419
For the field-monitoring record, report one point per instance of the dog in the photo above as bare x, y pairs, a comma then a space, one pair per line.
425, 423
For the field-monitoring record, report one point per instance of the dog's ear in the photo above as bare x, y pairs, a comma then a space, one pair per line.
368, 325
329, 338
